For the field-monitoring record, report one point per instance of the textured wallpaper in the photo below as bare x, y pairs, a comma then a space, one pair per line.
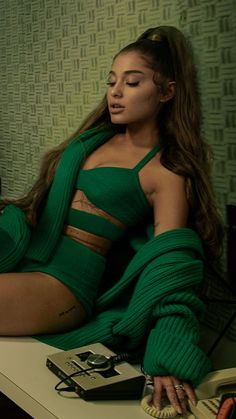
54, 58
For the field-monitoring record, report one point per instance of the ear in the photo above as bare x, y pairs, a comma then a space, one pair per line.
169, 92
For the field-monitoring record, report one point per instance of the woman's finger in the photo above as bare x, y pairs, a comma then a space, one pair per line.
190, 393
164, 386
157, 393
174, 398
176, 391
182, 397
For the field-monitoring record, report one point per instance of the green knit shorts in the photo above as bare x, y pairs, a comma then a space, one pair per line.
77, 266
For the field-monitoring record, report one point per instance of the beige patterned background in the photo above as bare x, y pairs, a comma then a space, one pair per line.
54, 58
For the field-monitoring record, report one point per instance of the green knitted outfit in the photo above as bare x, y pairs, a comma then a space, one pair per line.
153, 305
117, 192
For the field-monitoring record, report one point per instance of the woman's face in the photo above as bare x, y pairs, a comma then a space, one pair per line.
132, 95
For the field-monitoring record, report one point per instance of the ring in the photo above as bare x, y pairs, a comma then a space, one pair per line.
179, 387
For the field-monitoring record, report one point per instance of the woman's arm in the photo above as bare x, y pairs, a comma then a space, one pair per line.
170, 212
169, 201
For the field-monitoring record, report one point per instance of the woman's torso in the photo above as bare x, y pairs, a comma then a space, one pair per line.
112, 193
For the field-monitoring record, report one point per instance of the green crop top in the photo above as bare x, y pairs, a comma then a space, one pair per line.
115, 190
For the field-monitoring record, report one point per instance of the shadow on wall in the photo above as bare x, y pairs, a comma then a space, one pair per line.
218, 330
231, 245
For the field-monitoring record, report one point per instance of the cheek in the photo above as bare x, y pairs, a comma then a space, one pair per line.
150, 102
149, 96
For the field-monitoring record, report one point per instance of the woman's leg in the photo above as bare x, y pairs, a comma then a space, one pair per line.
35, 303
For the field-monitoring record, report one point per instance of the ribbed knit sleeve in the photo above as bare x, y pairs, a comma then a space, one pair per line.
159, 255
172, 347
170, 272
162, 313
14, 237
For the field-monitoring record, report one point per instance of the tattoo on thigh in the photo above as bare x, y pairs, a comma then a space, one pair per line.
63, 313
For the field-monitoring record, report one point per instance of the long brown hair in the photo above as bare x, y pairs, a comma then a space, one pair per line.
33, 201
183, 149
185, 152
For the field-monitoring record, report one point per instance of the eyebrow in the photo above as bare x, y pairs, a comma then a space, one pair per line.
128, 72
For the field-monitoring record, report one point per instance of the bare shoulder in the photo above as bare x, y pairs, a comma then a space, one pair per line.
168, 179
160, 179
168, 199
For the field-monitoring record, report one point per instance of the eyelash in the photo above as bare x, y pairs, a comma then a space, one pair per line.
133, 84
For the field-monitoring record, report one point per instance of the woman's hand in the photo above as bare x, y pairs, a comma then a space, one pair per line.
178, 392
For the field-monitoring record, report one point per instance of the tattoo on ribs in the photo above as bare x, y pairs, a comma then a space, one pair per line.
63, 313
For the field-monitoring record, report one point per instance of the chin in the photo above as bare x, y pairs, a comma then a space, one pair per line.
117, 121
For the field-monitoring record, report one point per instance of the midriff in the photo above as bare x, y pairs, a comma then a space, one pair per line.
96, 243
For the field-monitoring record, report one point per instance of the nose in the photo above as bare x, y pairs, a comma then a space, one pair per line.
116, 90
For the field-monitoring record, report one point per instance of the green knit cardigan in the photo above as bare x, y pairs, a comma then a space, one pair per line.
153, 305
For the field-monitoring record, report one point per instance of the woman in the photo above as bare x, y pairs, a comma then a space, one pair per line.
139, 156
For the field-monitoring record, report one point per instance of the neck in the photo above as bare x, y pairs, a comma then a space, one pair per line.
142, 137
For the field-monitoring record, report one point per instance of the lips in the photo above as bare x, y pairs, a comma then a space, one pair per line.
116, 108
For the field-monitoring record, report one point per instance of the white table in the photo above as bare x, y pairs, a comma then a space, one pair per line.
25, 379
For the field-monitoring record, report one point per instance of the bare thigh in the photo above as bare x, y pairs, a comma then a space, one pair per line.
35, 303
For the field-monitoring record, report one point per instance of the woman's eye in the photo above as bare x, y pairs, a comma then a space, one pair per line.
132, 84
